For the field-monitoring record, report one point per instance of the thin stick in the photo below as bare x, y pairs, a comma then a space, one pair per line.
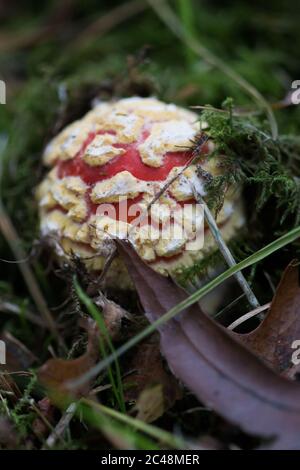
226, 252
228, 306
165, 13
248, 315
61, 426
190, 162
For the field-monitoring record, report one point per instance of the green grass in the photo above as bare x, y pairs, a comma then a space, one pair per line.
99, 414
106, 346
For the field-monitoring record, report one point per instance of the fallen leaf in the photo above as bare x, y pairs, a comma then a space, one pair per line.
56, 373
113, 315
219, 370
151, 386
150, 404
273, 339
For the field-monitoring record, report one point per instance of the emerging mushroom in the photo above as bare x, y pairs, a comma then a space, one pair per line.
111, 166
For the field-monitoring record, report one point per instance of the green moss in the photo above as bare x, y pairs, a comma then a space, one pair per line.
251, 158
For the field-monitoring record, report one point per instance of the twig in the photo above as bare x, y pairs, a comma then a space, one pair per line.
61, 426
107, 265
237, 111
195, 156
248, 315
165, 13
100, 388
225, 251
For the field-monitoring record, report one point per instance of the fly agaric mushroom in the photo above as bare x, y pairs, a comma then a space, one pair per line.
127, 153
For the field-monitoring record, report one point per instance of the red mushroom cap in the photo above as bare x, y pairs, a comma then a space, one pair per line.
108, 167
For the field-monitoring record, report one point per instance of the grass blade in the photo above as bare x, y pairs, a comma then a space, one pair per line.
94, 312
148, 429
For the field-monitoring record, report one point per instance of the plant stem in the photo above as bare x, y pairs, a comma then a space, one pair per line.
227, 253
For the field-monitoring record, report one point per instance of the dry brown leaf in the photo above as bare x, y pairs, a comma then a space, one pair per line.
56, 373
150, 404
151, 386
272, 340
220, 371
113, 315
